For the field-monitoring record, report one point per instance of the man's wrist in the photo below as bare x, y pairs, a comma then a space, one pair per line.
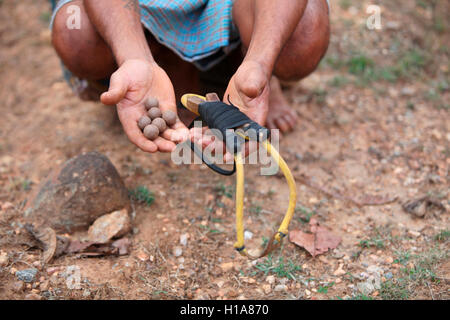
130, 53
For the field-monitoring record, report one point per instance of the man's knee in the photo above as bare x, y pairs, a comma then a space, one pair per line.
81, 50
308, 44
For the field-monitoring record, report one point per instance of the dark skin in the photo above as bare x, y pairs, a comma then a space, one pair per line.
284, 38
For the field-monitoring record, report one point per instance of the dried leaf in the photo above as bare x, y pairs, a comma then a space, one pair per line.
89, 248
319, 241
47, 240
423, 206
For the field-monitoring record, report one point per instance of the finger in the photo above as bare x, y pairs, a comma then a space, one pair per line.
135, 135
290, 120
282, 124
177, 136
116, 92
164, 145
270, 124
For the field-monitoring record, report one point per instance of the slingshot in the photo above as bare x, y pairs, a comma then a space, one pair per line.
222, 116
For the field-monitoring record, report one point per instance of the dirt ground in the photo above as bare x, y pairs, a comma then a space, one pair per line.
374, 120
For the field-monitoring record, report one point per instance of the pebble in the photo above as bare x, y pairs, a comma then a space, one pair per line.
141, 255
27, 275
177, 251
184, 239
226, 266
4, 260
170, 117
248, 235
307, 292
339, 271
160, 124
388, 275
44, 285
280, 287
365, 288
154, 113
389, 260
270, 279
151, 102
414, 233
143, 122
267, 288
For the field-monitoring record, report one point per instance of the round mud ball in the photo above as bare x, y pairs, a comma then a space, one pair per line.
154, 113
144, 121
160, 123
169, 117
151, 132
151, 102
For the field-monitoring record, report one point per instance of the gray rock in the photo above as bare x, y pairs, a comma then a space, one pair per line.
26, 275
77, 193
365, 288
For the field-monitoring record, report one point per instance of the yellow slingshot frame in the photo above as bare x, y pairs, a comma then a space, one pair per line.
278, 236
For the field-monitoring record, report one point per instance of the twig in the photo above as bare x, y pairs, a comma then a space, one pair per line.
375, 201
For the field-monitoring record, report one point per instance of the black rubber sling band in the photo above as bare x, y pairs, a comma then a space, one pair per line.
222, 116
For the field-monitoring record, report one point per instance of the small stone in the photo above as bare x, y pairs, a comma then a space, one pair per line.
141, 255
389, 260
151, 132
44, 285
170, 117
4, 260
408, 91
307, 292
27, 275
7, 205
388, 275
248, 235
414, 233
280, 287
267, 288
365, 288
144, 121
270, 279
151, 102
154, 113
339, 271
177, 251
226, 266
160, 124
183, 239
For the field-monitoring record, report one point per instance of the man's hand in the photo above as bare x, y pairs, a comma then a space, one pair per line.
249, 90
130, 85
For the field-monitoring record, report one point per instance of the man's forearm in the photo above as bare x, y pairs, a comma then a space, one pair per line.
274, 23
118, 22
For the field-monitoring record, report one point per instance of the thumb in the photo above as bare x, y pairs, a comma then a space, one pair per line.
251, 80
117, 90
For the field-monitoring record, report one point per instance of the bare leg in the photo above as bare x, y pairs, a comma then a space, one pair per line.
87, 56
299, 57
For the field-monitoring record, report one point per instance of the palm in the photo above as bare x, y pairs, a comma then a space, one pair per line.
142, 80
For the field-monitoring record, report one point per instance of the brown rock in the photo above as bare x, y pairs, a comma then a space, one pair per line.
76, 194
109, 226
